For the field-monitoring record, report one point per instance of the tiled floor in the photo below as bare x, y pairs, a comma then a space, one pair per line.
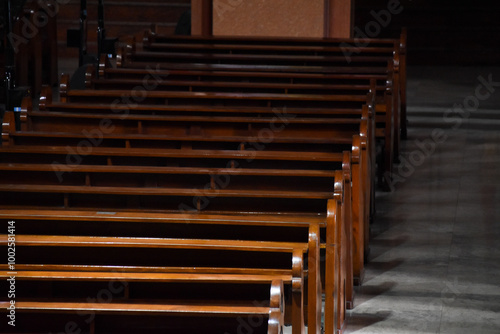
435, 249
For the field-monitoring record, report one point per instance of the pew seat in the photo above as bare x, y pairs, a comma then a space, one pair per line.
125, 315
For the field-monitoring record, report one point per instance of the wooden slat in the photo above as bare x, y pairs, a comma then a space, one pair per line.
334, 139
202, 109
147, 277
260, 47
215, 95
168, 170
137, 308
186, 118
148, 191
215, 154
143, 269
148, 217
81, 241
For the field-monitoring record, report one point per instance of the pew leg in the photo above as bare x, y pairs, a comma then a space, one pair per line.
385, 172
52, 52
387, 166
372, 155
347, 214
298, 326
404, 121
396, 133
357, 225
314, 281
332, 268
22, 66
402, 85
37, 66
342, 272
366, 182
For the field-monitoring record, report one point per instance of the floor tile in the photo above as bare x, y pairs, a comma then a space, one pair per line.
435, 249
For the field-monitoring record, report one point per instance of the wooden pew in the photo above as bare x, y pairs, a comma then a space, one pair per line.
350, 48
209, 319
275, 45
200, 81
123, 284
251, 56
262, 82
306, 102
389, 69
186, 226
125, 100
340, 55
283, 55
175, 243
16, 151
52, 151
280, 83
231, 132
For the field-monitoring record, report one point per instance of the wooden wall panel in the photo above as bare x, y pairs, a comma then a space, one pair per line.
201, 17
339, 18
283, 18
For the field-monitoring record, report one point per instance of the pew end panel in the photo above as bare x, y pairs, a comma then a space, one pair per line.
64, 88
403, 81
26, 109
358, 210
334, 263
397, 101
347, 223
8, 127
46, 98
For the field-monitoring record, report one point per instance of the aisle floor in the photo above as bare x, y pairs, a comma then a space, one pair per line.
435, 252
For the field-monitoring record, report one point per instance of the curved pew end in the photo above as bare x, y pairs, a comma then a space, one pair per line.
64, 87
45, 97
8, 127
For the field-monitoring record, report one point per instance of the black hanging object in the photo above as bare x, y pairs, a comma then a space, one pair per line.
105, 45
10, 63
83, 32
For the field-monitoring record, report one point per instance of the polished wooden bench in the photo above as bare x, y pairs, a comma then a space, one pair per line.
310, 101
248, 227
262, 82
304, 130
197, 83
185, 226
122, 259
135, 153
270, 101
121, 100
121, 285
349, 48
388, 103
252, 82
124, 190
283, 55
228, 133
326, 56
185, 319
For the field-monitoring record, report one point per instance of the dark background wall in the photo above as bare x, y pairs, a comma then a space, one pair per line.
122, 18
442, 32
454, 32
